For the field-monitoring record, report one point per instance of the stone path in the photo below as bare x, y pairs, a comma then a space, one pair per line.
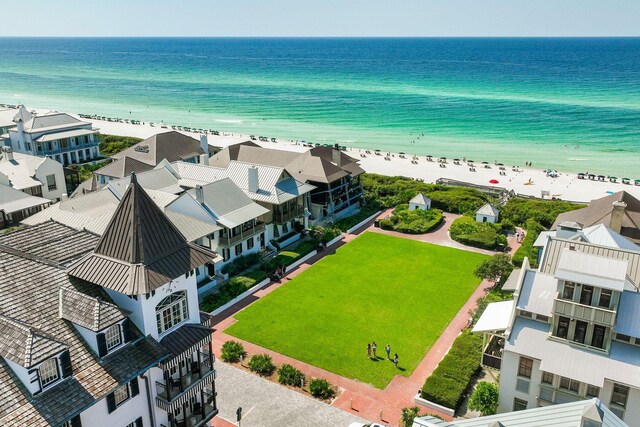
360, 399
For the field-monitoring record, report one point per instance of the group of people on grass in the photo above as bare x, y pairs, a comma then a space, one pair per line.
373, 347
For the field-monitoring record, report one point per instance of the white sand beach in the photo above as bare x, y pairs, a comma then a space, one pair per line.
528, 181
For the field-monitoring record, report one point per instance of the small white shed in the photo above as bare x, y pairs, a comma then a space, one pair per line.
487, 213
420, 201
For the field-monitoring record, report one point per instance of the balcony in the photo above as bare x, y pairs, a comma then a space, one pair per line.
189, 382
196, 415
549, 394
282, 217
492, 354
583, 312
244, 233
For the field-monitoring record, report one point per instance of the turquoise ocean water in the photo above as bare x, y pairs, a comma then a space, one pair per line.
566, 104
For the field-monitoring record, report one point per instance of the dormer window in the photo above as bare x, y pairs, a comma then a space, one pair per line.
113, 337
48, 372
171, 311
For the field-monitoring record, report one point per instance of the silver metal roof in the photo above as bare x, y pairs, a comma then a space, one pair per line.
537, 293
495, 317
592, 270
420, 199
64, 134
12, 200
488, 209
628, 317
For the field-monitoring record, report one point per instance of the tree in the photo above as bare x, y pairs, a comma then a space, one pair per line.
408, 415
494, 268
484, 398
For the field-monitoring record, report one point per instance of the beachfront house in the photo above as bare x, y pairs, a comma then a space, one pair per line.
58, 136
146, 155
33, 175
114, 336
16, 205
420, 201
334, 174
487, 213
571, 331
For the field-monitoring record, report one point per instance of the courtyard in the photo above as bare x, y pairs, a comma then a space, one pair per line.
378, 288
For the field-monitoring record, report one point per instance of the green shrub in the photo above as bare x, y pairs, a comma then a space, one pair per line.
232, 351
261, 364
324, 234
112, 144
484, 398
321, 389
450, 380
468, 231
231, 289
415, 221
289, 375
507, 225
544, 212
241, 263
288, 257
533, 230
386, 224
348, 222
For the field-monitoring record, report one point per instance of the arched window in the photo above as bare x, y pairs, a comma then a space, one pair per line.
171, 311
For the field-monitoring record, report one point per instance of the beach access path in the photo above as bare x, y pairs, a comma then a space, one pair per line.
357, 398
526, 181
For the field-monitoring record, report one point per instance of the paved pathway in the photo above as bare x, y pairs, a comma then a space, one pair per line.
265, 404
358, 398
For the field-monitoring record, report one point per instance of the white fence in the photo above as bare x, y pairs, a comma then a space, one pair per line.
361, 223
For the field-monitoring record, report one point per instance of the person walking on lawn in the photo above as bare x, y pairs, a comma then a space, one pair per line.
388, 350
395, 360
369, 350
374, 347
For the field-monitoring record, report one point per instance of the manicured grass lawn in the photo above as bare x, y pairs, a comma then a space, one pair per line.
377, 288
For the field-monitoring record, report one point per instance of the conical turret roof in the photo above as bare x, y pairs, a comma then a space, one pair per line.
140, 249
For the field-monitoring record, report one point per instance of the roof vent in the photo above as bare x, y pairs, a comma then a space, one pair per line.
572, 247
142, 148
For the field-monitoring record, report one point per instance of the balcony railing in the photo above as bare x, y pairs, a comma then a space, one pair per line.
244, 233
282, 217
554, 395
491, 361
177, 386
587, 313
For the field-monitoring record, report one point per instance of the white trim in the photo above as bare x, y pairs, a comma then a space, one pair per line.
335, 240
300, 261
240, 297
431, 405
363, 222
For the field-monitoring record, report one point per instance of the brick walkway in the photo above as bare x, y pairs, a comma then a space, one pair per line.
359, 398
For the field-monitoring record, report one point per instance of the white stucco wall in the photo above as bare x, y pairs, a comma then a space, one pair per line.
51, 167
490, 218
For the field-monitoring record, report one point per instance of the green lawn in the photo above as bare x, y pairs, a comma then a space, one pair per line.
376, 288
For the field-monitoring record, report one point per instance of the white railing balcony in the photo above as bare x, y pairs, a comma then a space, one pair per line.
587, 313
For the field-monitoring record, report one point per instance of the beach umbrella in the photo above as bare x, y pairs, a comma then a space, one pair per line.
499, 164
494, 181
485, 163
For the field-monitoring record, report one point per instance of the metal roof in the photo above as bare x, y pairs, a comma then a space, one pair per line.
512, 281
420, 199
122, 167
495, 317
487, 209
593, 270
530, 338
21, 170
12, 200
64, 134
170, 145
192, 174
537, 293
52, 121
140, 250
628, 315
154, 179
89, 312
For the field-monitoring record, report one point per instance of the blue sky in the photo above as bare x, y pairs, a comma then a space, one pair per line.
321, 18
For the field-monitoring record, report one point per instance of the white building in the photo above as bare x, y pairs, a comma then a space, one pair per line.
104, 331
573, 328
487, 213
420, 201
36, 176
16, 205
58, 136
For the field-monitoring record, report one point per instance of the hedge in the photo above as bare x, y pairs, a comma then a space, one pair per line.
526, 249
348, 222
415, 221
261, 364
231, 289
289, 375
468, 231
321, 389
450, 380
241, 263
112, 144
287, 258
544, 212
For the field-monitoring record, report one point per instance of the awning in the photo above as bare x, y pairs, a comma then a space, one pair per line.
24, 203
66, 134
495, 317
188, 394
512, 280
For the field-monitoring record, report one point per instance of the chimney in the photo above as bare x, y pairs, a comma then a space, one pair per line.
336, 157
204, 144
7, 154
616, 216
199, 194
253, 179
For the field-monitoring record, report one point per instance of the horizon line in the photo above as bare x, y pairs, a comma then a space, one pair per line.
319, 37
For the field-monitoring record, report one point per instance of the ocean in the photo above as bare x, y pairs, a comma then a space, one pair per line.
569, 104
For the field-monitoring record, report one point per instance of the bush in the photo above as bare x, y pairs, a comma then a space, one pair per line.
348, 222
497, 267
415, 221
527, 249
484, 399
507, 225
112, 144
231, 289
468, 231
241, 263
289, 375
450, 380
261, 364
386, 224
287, 258
232, 351
544, 212
324, 234
321, 389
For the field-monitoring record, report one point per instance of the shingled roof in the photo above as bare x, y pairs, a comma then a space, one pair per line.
89, 312
25, 345
140, 250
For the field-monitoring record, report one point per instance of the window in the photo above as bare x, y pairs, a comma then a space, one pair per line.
171, 311
285, 228
592, 391
239, 249
621, 337
605, 298
51, 183
112, 337
525, 367
542, 317
276, 233
569, 384
250, 243
48, 372
525, 313
580, 332
569, 289
563, 327
597, 340
519, 404
121, 394
586, 295
547, 377
620, 395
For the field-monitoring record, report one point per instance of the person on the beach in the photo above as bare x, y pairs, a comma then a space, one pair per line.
374, 347
395, 360
388, 350
369, 350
